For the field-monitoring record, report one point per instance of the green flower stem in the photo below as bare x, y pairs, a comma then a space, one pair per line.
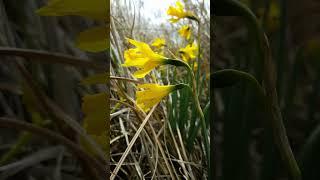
199, 53
177, 62
196, 91
203, 123
202, 118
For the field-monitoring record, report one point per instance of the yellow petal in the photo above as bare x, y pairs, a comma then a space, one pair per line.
133, 57
97, 9
143, 47
185, 32
179, 5
145, 70
158, 42
93, 40
151, 95
142, 57
189, 52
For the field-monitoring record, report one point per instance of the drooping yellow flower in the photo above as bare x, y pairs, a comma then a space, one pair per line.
152, 94
97, 9
179, 12
143, 58
158, 43
189, 52
185, 31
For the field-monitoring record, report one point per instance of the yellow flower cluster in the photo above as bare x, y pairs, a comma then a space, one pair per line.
95, 107
145, 59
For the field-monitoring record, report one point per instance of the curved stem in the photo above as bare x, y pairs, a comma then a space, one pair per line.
202, 118
177, 62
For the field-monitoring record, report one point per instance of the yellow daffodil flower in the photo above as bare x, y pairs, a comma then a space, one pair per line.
96, 9
158, 43
153, 94
189, 52
185, 31
143, 58
179, 12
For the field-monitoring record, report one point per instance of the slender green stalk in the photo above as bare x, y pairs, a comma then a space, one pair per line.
202, 118
177, 62
199, 54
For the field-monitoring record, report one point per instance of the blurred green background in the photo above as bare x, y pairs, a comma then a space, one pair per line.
244, 148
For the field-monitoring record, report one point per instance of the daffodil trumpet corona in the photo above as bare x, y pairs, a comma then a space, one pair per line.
152, 94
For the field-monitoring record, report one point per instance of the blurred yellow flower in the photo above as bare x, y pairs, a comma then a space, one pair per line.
93, 39
143, 58
189, 52
152, 94
274, 15
179, 12
185, 31
272, 18
195, 66
95, 108
96, 9
158, 42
